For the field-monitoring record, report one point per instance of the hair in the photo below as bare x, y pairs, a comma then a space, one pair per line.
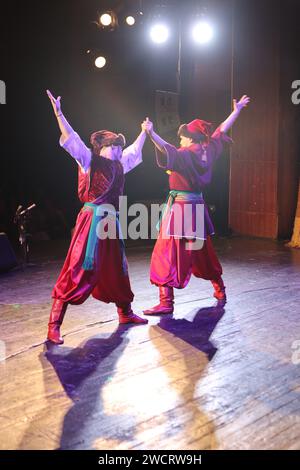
197, 138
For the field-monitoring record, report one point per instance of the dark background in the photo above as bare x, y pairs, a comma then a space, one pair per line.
44, 44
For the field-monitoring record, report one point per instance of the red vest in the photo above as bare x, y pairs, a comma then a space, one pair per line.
103, 183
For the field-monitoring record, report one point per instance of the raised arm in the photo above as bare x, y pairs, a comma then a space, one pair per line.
64, 126
69, 139
237, 107
132, 155
167, 156
155, 138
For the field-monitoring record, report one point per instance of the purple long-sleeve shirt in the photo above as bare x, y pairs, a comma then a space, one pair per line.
191, 167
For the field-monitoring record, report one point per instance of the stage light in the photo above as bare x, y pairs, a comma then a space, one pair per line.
106, 19
202, 32
130, 20
159, 33
100, 62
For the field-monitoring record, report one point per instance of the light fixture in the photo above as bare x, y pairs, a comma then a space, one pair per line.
106, 19
159, 33
130, 20
100, 62
202, 32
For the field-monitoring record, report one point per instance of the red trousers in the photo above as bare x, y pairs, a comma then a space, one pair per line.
172, 264
107, 282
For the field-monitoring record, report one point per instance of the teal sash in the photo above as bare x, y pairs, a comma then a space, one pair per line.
93, 240
170, 199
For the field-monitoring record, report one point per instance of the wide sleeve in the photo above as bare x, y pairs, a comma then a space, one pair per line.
171, 158
217, 141
77, 149
132, 155
176, 159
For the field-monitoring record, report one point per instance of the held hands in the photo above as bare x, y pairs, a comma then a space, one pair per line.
237, 106
55, 103
147, 126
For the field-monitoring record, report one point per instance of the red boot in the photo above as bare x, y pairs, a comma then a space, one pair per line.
126, 315
166, 302
56, 318
219, 287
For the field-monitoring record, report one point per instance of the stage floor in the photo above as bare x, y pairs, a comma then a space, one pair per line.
206, 378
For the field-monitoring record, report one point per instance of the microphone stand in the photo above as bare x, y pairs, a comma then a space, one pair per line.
21, 220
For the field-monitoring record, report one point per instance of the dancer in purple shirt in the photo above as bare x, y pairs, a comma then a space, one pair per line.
190, 170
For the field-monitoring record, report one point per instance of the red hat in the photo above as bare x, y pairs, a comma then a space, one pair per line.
104, 138
198, 130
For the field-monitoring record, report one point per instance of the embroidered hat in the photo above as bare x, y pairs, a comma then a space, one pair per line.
105, 138
198, 130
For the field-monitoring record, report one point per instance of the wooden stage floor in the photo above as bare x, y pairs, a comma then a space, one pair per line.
206, 378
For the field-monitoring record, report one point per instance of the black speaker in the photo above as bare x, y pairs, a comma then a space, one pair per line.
8, 258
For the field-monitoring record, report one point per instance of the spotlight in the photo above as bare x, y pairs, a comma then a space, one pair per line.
100, 62
106, 19
130, 20
159, 33
202, 32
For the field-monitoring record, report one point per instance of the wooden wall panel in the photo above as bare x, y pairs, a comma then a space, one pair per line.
264, 175
261, 61
289, 124
250, 185
253, 176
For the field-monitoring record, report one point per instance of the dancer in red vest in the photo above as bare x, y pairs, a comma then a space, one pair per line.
190, 167
94, 266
